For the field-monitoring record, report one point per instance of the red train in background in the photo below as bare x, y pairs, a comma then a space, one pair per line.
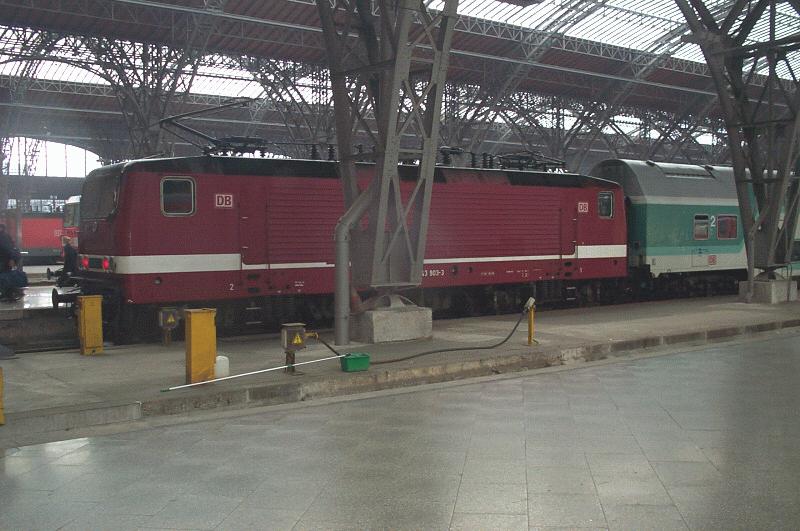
35, 213
72, 219
254, 238
37, 234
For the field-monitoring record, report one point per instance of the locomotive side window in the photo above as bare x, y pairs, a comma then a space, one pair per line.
100, 194
177, 197
605, 204
727, 227
701, 226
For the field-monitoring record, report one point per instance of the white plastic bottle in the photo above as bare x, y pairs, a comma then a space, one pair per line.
222, 367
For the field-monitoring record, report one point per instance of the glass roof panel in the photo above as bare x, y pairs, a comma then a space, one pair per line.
636, 24
631, 24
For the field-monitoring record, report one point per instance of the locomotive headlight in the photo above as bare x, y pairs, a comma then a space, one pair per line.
84, 262
106, 263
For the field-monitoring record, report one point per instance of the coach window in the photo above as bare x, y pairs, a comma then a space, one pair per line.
605, 204
701, 225
177, 197
727, 227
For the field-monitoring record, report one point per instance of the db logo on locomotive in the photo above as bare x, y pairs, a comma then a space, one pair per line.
223, 200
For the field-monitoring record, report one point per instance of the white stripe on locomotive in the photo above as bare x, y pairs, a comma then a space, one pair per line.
196, 263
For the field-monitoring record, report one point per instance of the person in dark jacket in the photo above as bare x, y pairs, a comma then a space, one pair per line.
12, 281
70, 263
8, 250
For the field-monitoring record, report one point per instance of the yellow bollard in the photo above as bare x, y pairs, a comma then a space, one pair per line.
2, 415
90, 324
201, 345
531, 311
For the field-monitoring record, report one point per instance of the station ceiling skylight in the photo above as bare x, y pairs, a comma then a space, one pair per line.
653, 26
650, 26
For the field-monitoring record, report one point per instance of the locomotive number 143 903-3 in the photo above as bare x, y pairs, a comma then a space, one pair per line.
433, 273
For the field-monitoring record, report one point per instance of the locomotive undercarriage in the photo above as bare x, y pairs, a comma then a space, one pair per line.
131, 323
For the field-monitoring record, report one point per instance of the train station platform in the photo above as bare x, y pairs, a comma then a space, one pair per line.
55, 395
31, 323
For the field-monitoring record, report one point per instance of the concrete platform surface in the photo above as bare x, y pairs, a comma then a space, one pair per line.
35, 298
701, 438
32, 323
48, 392
38, 294
37, 274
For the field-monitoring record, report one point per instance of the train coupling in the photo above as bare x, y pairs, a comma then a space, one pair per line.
63, 298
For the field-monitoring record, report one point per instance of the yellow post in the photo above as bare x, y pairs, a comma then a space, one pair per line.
2, 415
531, 311
201, 345
90, 324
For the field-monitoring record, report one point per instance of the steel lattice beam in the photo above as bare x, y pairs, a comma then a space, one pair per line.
174, 19
174, 23
763, 127
515, 128
396, 69
36, 44
301, 95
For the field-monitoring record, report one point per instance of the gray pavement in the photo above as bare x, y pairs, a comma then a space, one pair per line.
49, 392
701, 438
36, 298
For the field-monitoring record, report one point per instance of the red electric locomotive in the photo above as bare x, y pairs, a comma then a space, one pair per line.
37, 234
254, 237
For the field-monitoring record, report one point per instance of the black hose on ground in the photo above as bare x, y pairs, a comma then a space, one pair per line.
329, 347
436, 351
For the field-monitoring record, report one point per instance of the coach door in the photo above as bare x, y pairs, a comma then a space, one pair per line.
701, 230
569, 230
253, 237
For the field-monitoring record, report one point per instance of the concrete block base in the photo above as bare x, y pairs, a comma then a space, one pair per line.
399, 321
770, 291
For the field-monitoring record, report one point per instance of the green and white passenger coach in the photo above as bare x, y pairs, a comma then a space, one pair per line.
684, 225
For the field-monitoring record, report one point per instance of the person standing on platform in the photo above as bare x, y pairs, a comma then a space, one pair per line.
12, 280
70, 262
8, 250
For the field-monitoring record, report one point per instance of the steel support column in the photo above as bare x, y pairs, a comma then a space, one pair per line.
399, 61
763, 123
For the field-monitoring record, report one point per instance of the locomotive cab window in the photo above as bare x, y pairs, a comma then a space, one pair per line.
701, 226
177, 197
727, 227
605, 204
100, 194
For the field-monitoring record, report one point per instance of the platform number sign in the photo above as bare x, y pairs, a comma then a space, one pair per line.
223, 200
583, 207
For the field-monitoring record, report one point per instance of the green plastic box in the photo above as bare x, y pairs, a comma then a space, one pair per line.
355, 362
